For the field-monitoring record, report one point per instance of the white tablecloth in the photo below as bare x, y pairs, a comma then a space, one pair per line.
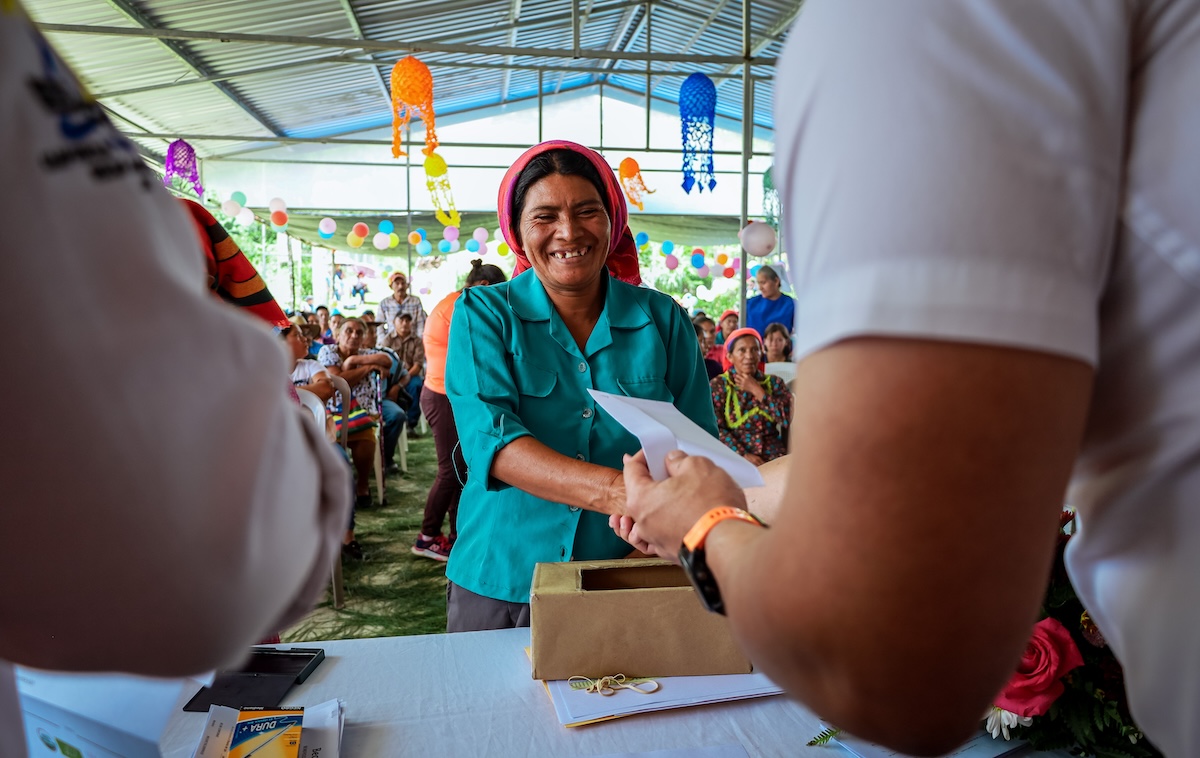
472, 695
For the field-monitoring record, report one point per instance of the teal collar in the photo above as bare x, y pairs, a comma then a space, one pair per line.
529, 301
622, 310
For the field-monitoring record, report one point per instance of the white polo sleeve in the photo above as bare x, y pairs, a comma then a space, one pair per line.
952, 170
165, 503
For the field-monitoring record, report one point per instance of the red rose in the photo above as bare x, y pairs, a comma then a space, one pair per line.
1037, 683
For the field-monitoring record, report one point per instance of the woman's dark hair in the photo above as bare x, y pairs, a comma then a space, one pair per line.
561, 161
781, 329
771, 273
484, 273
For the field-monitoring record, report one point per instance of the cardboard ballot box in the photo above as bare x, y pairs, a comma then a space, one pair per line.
637, 617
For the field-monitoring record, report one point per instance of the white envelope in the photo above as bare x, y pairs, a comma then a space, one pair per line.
661, 428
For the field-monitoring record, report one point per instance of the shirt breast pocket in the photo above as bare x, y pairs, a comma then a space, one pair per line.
647, 388
533, 382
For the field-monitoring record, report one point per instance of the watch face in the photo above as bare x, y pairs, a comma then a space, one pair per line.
696, 567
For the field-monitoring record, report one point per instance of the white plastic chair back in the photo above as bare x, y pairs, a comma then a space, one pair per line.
782, 369
314, 405
342, 387
317, 408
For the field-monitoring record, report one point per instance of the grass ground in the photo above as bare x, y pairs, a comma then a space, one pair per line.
392, 592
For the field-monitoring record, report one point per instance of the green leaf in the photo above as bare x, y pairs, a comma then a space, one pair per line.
825, 736
1080, 725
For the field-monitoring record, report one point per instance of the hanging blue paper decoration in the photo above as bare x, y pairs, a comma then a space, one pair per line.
182, 162
697, 117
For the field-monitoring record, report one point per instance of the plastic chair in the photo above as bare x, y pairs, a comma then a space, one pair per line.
317, 408
377, 380
782, 369
402, 446
314, 405
342, 388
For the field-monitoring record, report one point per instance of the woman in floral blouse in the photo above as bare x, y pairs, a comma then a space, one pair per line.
348, 359
754, 411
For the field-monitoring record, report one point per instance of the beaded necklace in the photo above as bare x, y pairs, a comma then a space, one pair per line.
733, 408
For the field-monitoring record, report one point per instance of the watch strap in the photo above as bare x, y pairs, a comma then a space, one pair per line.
694, 561
698, 534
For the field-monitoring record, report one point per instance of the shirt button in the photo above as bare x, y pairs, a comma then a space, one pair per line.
573, 508
582, 367
587, 412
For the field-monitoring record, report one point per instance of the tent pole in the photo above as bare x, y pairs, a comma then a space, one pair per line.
601, 115
292, 267
649, 16
747, 150
408, 192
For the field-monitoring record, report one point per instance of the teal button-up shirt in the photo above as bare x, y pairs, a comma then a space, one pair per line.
513, 369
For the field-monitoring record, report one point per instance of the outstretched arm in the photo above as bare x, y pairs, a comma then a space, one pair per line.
530, 465
902, 571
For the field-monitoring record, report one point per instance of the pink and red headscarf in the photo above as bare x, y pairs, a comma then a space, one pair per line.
622, 259
733, 337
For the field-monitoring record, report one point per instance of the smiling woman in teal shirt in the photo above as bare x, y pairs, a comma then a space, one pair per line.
544, 459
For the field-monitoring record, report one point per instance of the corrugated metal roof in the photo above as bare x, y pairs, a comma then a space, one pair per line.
312, 92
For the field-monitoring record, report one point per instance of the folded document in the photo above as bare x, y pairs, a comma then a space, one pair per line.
661, 428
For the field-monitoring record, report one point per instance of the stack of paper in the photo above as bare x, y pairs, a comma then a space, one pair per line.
576, 707
321, 731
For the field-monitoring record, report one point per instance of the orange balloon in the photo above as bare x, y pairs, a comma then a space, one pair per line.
279, 218
360, 230
414, 238
722, 258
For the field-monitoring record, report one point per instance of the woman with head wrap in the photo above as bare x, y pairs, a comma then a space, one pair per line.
363, 369
754, 410
544, 461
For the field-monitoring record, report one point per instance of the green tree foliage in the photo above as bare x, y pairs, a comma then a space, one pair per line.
684, 280
259, 242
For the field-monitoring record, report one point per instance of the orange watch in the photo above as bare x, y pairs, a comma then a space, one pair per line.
692, 556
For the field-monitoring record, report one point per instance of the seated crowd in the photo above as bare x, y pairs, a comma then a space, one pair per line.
387, 375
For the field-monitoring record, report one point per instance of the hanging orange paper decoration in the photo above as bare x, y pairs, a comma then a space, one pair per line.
437, 179
412, 93
631, 179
